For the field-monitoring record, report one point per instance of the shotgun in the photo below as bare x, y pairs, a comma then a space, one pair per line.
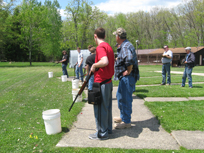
55, 63
81, 89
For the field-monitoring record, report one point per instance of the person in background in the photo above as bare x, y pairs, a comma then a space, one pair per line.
104, 62
126, 70
89, 47
89, 62
64, 62
166, 61
87, 70
79, 65
189, 64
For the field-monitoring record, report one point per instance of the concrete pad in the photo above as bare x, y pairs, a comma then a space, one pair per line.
144, 133
199, 74
165, 99
189, 139
177, 72
196, 98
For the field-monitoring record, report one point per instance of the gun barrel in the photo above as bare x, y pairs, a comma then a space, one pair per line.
81, 90
73, 102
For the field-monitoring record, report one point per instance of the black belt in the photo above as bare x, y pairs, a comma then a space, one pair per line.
121, 76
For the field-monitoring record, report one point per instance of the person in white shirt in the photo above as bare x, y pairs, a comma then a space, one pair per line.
79, 64
166, 61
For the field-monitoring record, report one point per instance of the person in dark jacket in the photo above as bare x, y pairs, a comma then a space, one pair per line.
189, 64
64, 62
89, 62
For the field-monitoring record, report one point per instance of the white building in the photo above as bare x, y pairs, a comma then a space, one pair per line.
74, 55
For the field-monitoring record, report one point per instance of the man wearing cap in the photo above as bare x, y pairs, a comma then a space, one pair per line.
166, 61
126, 70
189, 64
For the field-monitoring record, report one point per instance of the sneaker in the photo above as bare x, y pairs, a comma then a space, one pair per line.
182, 86
122, 125
163, 83
190, 87
168, 84
117, 119
95, 137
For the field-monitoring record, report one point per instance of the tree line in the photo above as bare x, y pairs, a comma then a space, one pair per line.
33, 31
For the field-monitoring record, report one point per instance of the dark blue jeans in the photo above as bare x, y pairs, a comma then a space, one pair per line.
79, 70
104, 116
90, 83
64, 70
124, 96
187, 73
166, 69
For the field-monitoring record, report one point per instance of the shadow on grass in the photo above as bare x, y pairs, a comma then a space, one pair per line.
142, 90
197, 87
141, 96
137, 93
65, 129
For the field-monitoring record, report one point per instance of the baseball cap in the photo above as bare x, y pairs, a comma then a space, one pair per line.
120, 32
165, 46
188, 48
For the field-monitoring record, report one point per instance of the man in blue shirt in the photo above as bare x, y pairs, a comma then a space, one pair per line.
189, 64
126, 70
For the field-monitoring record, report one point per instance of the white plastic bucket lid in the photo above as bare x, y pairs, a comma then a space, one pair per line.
75, 80
51, 114
75, 91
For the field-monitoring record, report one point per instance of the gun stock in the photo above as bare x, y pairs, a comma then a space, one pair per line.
81, 90
55, 63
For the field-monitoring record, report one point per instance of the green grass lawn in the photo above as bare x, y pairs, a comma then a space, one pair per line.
187, 115
148, 75
170, 91
26, 91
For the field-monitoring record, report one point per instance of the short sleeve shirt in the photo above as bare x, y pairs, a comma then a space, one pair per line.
65, 57
90, 60
80, 55
167, 60
104, 73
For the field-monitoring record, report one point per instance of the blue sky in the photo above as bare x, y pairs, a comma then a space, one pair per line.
121, 6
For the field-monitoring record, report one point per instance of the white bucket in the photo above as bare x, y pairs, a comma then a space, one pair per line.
74, 94
52, 121
50, 74
64, 78
80, 83
75, 83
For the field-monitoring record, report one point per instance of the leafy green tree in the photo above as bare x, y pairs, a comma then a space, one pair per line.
79, 18
13, 29
51, 36
5, 12
30, 17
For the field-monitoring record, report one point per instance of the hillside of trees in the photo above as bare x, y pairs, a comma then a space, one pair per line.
33, 31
